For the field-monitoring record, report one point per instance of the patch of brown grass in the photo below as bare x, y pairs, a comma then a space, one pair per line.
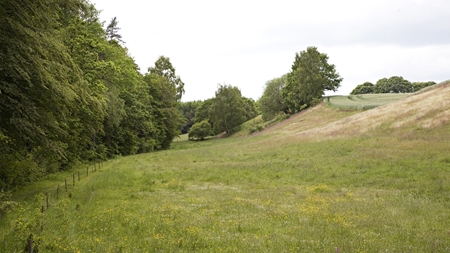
427, 109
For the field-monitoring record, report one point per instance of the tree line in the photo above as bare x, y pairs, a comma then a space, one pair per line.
70, 92
223, 113
310, 76
394, 84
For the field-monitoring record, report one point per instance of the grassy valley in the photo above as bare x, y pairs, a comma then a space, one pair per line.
324, 180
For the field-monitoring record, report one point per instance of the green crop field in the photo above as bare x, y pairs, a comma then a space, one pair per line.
364, 101
325, 180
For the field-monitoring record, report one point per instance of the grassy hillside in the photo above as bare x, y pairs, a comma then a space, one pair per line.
364, 101
324, 180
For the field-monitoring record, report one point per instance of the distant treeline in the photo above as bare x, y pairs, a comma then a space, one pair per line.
395, 84
70, 92
223, 113
310, 76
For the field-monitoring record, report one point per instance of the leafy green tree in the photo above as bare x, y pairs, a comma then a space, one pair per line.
228, 110
137, 131
203, 111
365, 88
200, 130
69, 91
163, 67
395, 84
420, 85
112, 31
400, 85
164, 87
46, 103
40, 83
382, 86
121, 77
272, 102
188, 110
250, 108
311, 75
87, 46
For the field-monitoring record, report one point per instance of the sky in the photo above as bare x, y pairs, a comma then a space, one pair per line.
245, 43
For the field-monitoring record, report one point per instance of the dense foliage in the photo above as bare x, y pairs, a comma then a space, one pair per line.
200, 130
272, 102
311, 75
188, 110
70, 92
228, 109
395, 84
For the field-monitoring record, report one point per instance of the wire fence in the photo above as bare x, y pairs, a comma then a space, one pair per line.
58, 191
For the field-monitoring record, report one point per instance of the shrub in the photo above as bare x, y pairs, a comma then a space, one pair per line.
200, 130
255, 128
5, 203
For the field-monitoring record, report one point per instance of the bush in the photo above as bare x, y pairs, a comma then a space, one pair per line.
200, 130
255, 128
5, 203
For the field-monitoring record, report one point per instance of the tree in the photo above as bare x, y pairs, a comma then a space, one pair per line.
272, 102
88, 47
137, 131
200, 130
382, 86
400, 85
395, 84
204, 111
420, 85
164, 68
365, 88
164, 87
188, 110
69, 91
310, 77
112, 31
228, 110
40, 84
46, 104
250, 108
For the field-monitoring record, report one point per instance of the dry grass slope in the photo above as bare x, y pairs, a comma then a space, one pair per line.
428, 109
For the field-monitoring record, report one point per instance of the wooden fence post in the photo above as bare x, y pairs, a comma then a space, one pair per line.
78, 175
87, 171
46, 199
65, 183
73, 179
30, 244
42, 221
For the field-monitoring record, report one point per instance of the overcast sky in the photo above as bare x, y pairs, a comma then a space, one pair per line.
245, 43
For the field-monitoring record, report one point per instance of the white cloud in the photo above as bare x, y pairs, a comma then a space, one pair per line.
246, 43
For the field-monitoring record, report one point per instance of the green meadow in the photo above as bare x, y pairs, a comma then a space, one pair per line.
325, 180
364, 101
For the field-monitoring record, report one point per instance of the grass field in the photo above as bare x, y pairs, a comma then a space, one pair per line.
324, 180
364, 101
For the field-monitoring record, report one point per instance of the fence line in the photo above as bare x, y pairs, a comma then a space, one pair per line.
47, 205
